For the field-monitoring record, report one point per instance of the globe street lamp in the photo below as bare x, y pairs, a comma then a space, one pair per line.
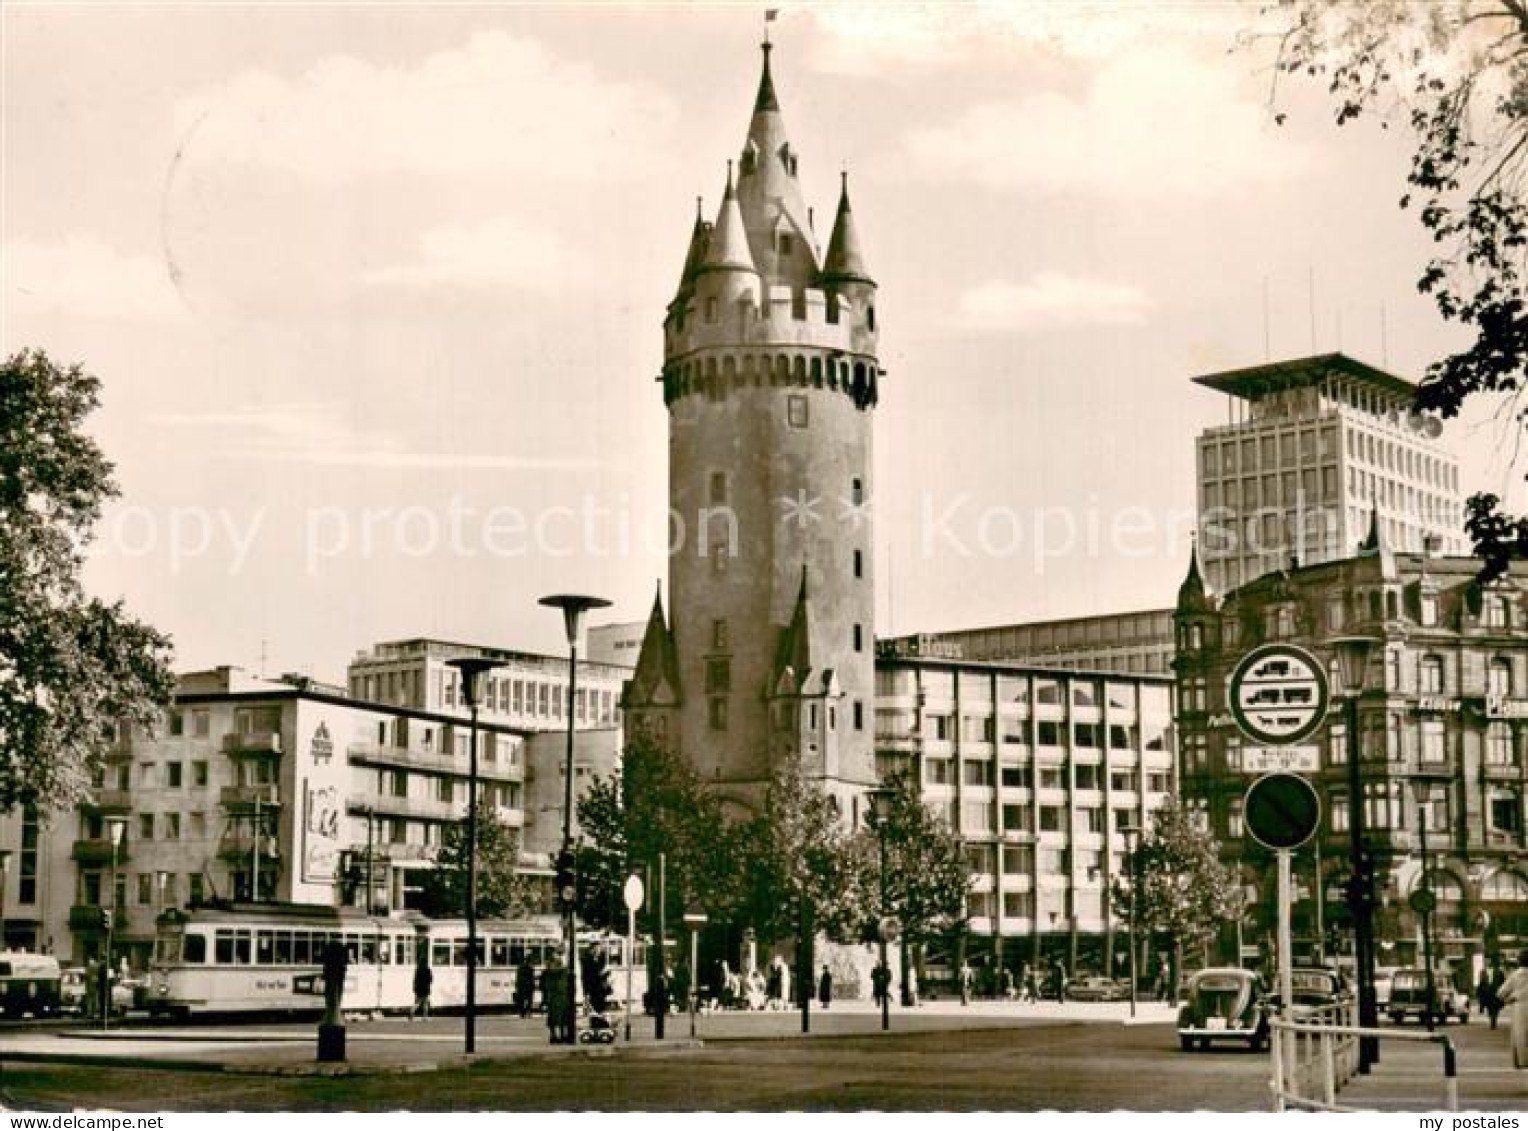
573, 609
1353, 661
1424, 900
116, 828
880, 815
470, 667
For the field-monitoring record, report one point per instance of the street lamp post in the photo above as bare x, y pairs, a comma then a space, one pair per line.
1353, 659
116, 828
1424, 899
573, 608
470, 667
880, 810
1129, 835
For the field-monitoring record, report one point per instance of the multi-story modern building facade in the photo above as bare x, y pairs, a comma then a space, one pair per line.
1443, 725
256, 788
1043, 772
526, 690
1139, 642
770, 378
1312, 447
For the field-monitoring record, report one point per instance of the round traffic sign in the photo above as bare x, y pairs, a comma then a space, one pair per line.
1282, 810
633, 893
1423, 901
1278, 694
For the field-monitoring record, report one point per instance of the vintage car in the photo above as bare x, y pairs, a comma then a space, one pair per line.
1095, 987
1223, 1003
1408, 997
1316, 988
29, 984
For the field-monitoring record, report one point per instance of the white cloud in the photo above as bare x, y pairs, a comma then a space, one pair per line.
1153, 122
500, 252
864, 38
85, 278
497, 105
1048, 301
321, 433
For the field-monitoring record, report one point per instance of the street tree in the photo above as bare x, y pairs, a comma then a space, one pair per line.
1175, 883
654, 803
71, 666
927, 880
503, 891
1453, 74
800, 861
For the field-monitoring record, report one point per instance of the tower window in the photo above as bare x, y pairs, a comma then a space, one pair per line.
721, 636
796, 413
859, 564
718, 713
718, 486
870, 316
719, 674
857, 492
859, 639
785, 243
859, 714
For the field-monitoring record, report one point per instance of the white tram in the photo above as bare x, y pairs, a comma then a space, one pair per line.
268, 957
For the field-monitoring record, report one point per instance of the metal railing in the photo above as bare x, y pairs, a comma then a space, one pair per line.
1313, 1057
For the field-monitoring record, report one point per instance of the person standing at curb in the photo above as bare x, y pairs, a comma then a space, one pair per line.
424, 980
825, 987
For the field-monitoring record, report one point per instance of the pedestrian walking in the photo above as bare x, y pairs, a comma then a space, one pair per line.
1485, 995
555, 996
965, 984
424, 979
1498, 977
880, 984
525, 988
825, 987
1514, 992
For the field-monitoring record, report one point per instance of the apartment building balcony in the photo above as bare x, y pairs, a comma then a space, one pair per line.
238, 845
241, 799
401, 758
114, 801
97, 851
255, 742
413, 808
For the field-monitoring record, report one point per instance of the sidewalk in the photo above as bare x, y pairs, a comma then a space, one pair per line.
396, 1044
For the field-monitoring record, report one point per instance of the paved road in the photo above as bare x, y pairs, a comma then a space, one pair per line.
989, 1062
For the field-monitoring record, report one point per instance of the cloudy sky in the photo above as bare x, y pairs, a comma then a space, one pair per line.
376, 290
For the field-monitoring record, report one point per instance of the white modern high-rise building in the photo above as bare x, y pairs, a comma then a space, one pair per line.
1316, 450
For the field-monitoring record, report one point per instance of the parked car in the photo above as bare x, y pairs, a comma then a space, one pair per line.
1315, 988
29, 984
1408, 997
1223, 1003
1095, 987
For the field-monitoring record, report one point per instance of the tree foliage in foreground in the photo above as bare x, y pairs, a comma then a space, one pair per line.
1454, 73
71, 666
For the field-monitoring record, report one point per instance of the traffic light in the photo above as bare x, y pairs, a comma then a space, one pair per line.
106, 918
567, 880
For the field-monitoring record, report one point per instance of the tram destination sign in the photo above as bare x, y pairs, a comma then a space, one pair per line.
1278, 694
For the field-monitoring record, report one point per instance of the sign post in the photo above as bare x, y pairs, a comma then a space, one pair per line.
1282, 811
632, 895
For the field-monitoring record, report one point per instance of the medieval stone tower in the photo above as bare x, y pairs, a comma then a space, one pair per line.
770, 378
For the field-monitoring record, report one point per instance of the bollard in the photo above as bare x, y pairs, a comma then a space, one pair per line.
1276, 1083
1328, 1070
1450, 1076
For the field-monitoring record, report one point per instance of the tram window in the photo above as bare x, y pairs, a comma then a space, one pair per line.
368, 950
352, 947
265, 948
498, 952
283, 956
516, 952
224, 948
241, 948
440, 953
302, 948
459, 952
194, 949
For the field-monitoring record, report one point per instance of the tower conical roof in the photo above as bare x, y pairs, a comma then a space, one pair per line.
769, 196
795, 650
1376, 545
696, 253
727, 247
1192, 595
656, 677
845, 260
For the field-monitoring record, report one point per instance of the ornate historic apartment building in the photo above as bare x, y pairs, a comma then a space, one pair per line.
1443, 710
